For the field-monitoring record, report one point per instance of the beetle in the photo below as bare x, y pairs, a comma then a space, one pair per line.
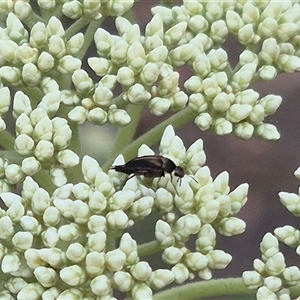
150, 166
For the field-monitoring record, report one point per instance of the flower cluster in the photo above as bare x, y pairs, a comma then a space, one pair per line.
64, 244
144, 66
271, 277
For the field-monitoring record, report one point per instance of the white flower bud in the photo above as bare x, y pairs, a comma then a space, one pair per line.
163, 234
222, 126
288, 63
14, 285
118, 116
38, 35
198, 103
175, 33
35, 291
288, 235
161, 278
269, 51
22, 240
137, 94
238, 112
80, 212
96, 241
201, 65
141, 271
270, 103
136, 57
252, 279
49, 85
218, 259
30, 224
246, 35
95, 263
158, 55
69, 232
206, 240
129, 247
51, 293
72, 10
23, 10
55, 27
168, 84
275, 264
197, 23
149, 73
44, 150
125, 76
83, 83
40, 201
45, 62
230, 226
218, 31
11, 263
269, 245
69, 97
115, 260
179, 100
58, 175
186, 225
26, 54
51, 216
123, 281
234, 21
291, 275
100, 65
6, 228
141, 208
221, 102
75, 43
121, 200
267, 132
15, 211
11, 74
291, 202
118, 8
76, 252
21, 104
43, 130
172, 255
181, 273
72, 293
15, 29
103, 96
218, 59
163, 200
181, 54
242, 78
97, 116
68, 64
117, 219
45, 276
55, 257
257, 114
118, 52
24, 144
248, 57
267, 28
13, 173
286, 31
196, 261
67, 158
72, 275
100, 286
238, 197
267, 73
211, 88
9, 49
78, 114
159, 106
97, 223
30, 74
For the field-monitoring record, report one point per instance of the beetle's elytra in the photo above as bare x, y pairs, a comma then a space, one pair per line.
150, 166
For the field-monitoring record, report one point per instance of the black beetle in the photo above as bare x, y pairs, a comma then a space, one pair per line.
150, 166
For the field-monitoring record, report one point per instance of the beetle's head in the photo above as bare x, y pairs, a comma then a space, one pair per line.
179, 172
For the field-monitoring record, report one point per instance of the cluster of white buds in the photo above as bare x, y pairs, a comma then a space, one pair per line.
271, 277
66, 247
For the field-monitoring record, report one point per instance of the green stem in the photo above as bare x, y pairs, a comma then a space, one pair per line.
76, 27
148, 248
7, 140
154, 135
207, 289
